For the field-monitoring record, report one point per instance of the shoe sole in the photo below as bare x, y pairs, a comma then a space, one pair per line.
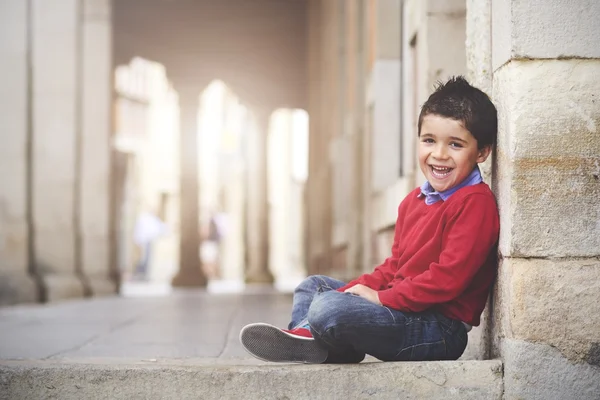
269, 343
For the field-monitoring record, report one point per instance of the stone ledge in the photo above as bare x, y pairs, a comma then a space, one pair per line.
196, 379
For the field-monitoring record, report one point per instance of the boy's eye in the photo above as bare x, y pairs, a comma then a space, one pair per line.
427, 140
455, 144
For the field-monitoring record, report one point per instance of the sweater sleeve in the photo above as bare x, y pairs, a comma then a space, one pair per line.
469, 235
384, 273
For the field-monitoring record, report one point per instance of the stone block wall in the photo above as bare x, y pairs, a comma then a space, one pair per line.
540, 63
548, 160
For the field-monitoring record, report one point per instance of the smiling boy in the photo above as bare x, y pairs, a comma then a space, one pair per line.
420, 303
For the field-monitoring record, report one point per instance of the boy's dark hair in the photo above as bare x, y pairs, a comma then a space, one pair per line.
458, 100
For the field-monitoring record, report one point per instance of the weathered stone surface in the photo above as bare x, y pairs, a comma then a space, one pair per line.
539, 372
187, 324
258, 218
54, 107
446, 57
551, 302
62, 286
478, 345
446, 6
96, 89
479, 56
479, 44
384, 240
100, 9
386, 132
549, 158
15, 283
16, 286
101, 285
388, 26
429, 380
562, 29
187, 346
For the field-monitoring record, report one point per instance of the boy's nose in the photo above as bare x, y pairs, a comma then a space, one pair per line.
439, 152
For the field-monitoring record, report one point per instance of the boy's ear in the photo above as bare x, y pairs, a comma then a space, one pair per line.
483, 153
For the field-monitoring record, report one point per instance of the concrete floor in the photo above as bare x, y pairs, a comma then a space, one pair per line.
186, 325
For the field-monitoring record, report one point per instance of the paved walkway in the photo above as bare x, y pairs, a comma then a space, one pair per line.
192, 326
185, 346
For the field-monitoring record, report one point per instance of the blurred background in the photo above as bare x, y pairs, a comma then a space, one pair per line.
152, 144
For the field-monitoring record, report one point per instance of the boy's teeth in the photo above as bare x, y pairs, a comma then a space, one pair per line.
440, 171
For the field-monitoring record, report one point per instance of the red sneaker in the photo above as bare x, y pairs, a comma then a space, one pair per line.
303, 332
269, 343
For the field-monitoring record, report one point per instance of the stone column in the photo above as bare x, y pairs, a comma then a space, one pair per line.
16, 285
257, 215
479, 74
546, 85
55, 99
94, 150
190, 272
383, 144
479, 57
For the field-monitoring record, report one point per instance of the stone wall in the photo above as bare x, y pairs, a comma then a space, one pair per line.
546, 322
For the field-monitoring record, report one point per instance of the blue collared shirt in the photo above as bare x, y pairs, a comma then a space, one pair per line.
432, 197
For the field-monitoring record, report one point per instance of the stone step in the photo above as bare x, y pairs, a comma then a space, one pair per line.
205, 379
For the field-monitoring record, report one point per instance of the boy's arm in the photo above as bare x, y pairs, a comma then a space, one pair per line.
468, 238
384, 273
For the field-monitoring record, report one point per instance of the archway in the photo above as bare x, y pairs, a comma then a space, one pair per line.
146, 154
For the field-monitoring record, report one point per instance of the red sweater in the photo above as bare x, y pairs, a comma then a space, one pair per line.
443, 256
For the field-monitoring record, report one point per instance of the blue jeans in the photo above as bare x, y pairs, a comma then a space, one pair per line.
350, 326
141, 269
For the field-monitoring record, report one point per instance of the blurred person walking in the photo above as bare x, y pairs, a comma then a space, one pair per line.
148, 228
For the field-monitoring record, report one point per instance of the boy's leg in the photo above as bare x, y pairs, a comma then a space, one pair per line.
346, 324
270, 343
304, 294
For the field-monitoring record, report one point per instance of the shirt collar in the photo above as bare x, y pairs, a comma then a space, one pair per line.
431, 196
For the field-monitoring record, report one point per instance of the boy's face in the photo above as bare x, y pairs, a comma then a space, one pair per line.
447, 152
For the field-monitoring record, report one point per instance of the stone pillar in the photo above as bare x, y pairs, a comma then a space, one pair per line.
55, 99
383, 142
479, 74
190, 270
479, 57
94, 184
16, 285
257, 216
322, 89
546, 85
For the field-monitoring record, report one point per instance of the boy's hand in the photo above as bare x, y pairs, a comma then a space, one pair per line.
364, 292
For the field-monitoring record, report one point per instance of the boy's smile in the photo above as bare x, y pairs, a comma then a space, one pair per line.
447, 152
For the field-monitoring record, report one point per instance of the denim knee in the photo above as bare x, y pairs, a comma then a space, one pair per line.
324, 310
311, 284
